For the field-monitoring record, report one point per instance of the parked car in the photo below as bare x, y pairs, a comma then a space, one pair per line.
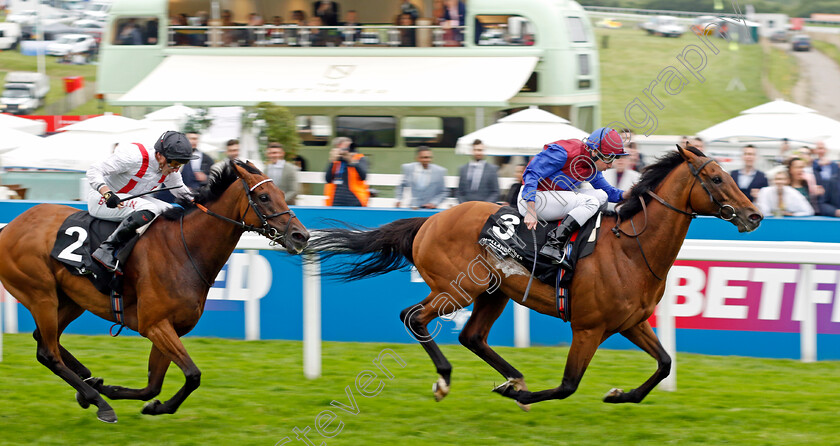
704, 25
801, 42
71, 44
10, 35
664, 25
23, 17
24, 92
779, 36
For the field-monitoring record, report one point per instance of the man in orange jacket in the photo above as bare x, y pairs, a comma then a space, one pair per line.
345, 175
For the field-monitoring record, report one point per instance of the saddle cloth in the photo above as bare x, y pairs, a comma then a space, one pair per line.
77, 238
505, 235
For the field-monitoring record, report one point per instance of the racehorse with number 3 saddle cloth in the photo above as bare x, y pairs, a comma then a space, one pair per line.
614, 290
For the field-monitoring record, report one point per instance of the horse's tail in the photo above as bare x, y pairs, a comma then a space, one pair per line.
385, 249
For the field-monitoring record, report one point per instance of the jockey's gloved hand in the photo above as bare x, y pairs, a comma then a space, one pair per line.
111, 199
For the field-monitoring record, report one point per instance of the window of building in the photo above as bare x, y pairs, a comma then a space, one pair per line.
135, 31
577, 31
583, 65
511, 30
585, 118
368, 131
314, 130
431, 131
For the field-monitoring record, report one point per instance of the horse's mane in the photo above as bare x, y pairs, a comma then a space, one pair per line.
218, 182
652, 176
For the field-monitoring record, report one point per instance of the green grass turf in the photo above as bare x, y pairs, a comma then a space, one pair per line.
634, 59
254, 393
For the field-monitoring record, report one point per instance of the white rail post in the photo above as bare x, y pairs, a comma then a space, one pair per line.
808, 326
252, 301
665, 330
521, 326
311, 316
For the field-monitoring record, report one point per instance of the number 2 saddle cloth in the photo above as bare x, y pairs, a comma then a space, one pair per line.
505, 235
78, 237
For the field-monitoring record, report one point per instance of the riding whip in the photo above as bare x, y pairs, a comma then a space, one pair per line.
147, 193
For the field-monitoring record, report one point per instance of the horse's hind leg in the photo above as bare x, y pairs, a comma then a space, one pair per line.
45, 313
584, 345
643, 336
69, 311
164, 337
158, 365
487, 308
416, 318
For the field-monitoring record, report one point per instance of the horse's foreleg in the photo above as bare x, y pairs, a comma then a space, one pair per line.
158, 365
584, 345
643, 336
415, 319
164, 337
488, 308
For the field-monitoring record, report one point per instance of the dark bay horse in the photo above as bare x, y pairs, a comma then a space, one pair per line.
614, 290
166, 279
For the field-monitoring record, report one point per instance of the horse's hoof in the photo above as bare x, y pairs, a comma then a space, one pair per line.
614, 395
525, 407
94, 382
440, 389
152, 408
82, 401
107, 415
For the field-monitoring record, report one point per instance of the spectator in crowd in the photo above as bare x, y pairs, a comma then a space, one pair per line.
151, 32
749, 179
425, 180
438, 10
345, 175
828, 204
636, 160
194, 173
824, 168
479, 180
784, 152
254, 20
512, 195
318, 36
698, 143
351, 19
406, 7
231, 153
282, 173
300, 162
621, 176
130, 34
327, 11
454, 14
801, 180
780, 199
408, 36
274, 31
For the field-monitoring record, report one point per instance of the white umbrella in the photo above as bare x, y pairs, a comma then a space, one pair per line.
33, 126
73, 151
107, 123
773, 121
171, 113
11, 139
521, 133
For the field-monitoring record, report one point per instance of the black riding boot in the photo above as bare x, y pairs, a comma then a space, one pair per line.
557, 239
106, 254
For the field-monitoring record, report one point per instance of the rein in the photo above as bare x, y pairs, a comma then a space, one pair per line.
265, 230
694, 172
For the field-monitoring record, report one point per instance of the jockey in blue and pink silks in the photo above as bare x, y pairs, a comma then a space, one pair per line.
551, 186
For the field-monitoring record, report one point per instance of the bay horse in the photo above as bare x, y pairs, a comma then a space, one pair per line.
614, 290
166, 279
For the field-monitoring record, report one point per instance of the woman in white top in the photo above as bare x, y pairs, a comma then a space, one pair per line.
780, 199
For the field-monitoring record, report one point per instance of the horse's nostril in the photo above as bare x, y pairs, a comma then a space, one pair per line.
755, 217
299, 236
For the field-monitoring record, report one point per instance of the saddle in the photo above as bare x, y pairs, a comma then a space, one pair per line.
77, 238
505, 235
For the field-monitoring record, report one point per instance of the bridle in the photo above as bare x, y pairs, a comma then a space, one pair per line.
274, 236
725, 211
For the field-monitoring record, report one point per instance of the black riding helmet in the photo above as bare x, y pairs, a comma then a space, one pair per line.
175, 146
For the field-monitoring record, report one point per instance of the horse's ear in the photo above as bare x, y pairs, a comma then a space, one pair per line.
241, 172
687, 155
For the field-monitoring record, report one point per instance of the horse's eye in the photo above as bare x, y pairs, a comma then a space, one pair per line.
717, 180
264, 198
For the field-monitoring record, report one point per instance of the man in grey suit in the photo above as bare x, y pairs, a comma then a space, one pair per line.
479, 180
425, 180
282, 173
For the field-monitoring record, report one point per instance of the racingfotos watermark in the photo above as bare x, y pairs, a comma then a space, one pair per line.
368, 384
